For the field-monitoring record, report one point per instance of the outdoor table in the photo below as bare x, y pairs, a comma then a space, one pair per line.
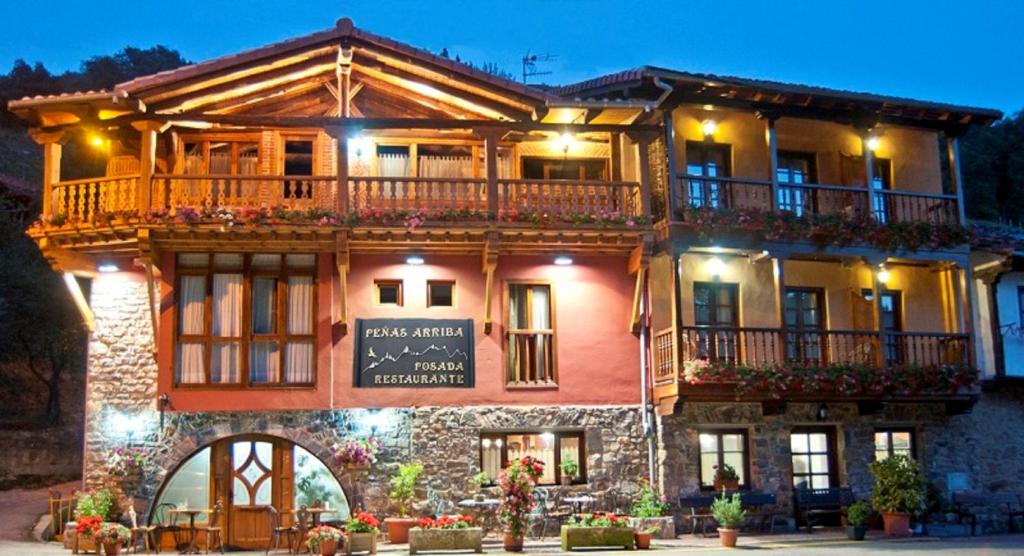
193, 535
577, 502
485, 510
315, 512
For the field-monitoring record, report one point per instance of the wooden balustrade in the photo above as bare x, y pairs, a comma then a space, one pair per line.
715, 192
664, 364
82, 200
531, 357
235, 191
569, 196
760, 346
808, 200
417, 193
905, 206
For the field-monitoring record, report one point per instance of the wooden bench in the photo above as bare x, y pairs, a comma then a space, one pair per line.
761, 506
756, 503
811, 505
1006, 503
700, 512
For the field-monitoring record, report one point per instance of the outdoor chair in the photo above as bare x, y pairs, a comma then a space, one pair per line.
558, 511
137, 533
212, 530
165, 522
277, 530
437, 502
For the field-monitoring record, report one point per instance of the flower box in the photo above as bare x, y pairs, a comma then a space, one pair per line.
361, 542
666, 526
592, 537
470, 538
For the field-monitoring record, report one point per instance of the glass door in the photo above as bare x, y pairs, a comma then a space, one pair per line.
704, 162
804, 322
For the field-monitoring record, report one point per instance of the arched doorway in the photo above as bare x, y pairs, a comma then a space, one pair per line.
246, 474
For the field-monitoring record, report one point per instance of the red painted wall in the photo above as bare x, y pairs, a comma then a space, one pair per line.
598, 359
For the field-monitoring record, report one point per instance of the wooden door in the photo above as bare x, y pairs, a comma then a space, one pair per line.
251, 473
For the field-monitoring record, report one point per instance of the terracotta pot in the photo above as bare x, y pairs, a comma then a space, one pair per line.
328, 547
728, 537
357, 466
566, 481
512, 543
398, 529
896, 524
727, 485
111, 548
643, 540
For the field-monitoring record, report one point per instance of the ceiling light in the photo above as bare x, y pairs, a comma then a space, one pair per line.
563, 261
873, 143
883, 275
565, 142
708, 127
107, 267
414, 259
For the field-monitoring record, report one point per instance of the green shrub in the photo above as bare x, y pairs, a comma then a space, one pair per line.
570, 468
728, 511
98, 503
648, 502
858, 513
403, 487
899, 487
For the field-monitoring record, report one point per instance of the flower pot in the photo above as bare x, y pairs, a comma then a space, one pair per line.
357, 466
445, 539
111, 548
398, 529
856, 532
566, 481
728, 537
643, 540
361, 542
512, 543
665, 525
727, 485
896, 524
593, 537
328, 547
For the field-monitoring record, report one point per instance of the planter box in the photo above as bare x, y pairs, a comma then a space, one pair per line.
361, 542
666, 524
446, 539
587, 537
79, 544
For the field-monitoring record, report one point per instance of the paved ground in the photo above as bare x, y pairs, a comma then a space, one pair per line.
20, 509
820, 544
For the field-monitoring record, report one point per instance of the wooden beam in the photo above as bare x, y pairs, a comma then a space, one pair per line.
147, 161
490, 264
343, 262
154, 319
52, 148
88, 317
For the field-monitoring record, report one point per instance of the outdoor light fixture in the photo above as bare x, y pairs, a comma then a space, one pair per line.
883, 275
486, 443
97, 141
414, 260
563, 261
566, 141
547, 438
107, 267
359, 145
714, 266
872, 143
708, 127
822, 413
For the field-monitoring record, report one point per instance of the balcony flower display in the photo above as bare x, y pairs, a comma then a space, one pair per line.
128, 463
446, 522
446, 532
597, 530
843, 379
356, 453
325, 539
516, 484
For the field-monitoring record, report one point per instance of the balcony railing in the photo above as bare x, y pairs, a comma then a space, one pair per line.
570, 196
293, 192
82, 199
531, 358
761, 346
816, 199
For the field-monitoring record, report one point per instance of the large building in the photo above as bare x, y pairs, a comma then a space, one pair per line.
342, 236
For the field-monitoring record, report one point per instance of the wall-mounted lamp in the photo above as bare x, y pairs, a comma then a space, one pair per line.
822, 413
107, 267
714, 266
883, 274
414, 260
708, 127
563, 261
565, 142
872, 143
360, 146
547, 438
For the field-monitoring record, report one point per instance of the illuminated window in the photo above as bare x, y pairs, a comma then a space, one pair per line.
530, 335
440, 293
552, 448
813, 457
388, 292
718, 448
894, 442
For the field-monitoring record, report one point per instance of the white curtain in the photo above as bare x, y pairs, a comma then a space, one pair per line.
393, 165
227, 323
191, 366
264, 362
445, 167
299, 355
504, 166
540, 320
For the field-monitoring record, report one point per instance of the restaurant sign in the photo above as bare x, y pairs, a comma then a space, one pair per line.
414, 353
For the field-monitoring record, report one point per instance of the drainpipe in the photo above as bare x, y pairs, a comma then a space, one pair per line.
645, 412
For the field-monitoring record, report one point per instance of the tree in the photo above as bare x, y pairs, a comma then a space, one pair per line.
992, 164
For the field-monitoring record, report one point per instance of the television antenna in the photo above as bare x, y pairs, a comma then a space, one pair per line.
530, 62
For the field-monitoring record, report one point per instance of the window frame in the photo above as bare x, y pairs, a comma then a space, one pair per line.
580, 435
508, 331
246, 339
745, 483
831, 452
235, 139
888, 431
811, 157
430, 289
546, 163
399, 283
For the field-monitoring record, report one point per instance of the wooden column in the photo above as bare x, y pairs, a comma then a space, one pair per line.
343, 262
491, 136
876, 296
344, 76
773, 156
147, 161
671, 195
955, 177
869, 170
779, 270
341, 200
490, 264
52, 143
615, 142
963, 278
643, 142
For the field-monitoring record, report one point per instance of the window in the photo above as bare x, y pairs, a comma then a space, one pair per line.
722, 447
221, 157
553, 448
894, 442
388, 292
891, 303
704, 161
813, 457
245, 319
796, 168
298, 161
564, 169
530, 335
805, 319
714, 307
440, 293
881, 180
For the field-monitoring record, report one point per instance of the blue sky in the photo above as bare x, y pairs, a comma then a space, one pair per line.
968, 52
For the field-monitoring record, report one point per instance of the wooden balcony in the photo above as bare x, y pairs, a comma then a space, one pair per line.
890, 206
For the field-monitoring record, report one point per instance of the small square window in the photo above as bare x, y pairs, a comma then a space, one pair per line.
440, 294
388, 292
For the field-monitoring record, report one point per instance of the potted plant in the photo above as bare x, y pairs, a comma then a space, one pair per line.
403, 495
356, 453
325, 539
128, 464
729, 513
643, 537
898, 493
597, 530
362, 530
516, 484
726, 477
112, 536
857, 517
650, 511
446, 533
478, 482
92, 509
570, 470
